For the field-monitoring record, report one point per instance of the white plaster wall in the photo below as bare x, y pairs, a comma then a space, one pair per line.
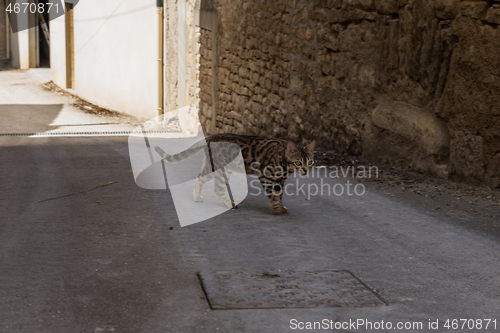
19, 44
14, 50
58, 51
22, 59
22, 43
116, 47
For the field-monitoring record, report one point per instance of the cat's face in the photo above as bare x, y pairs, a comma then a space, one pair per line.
300, 159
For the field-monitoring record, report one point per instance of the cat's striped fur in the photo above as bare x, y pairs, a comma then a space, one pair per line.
272, 160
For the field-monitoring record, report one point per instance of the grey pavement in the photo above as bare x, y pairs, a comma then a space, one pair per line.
107, 260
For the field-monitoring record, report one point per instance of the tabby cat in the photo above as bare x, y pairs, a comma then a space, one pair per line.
272, 160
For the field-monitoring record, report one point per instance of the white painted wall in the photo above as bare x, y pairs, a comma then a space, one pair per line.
58, 50
23, 43
116, 54
24, 49
20, 48
14, 50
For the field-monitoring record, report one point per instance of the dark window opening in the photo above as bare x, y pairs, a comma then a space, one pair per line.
43, 37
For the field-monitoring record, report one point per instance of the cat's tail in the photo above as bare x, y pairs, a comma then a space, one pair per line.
180, 156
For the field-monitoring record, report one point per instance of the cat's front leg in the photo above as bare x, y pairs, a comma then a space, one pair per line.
278, 209
274, 191
203, 177
197, 191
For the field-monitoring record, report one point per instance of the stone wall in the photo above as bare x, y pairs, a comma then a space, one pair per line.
181, 89
3, 34
206, 79
171, 59
409, 82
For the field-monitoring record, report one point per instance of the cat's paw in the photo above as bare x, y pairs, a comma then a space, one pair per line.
229, 204
279, 210
197, 198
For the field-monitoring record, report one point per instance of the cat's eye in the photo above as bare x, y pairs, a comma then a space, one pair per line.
311, 162
298, 163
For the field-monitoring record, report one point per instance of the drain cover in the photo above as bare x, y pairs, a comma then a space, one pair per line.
287, 289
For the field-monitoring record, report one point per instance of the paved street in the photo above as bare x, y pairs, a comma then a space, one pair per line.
108, 260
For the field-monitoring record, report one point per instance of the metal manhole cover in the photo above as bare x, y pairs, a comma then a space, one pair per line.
286, 289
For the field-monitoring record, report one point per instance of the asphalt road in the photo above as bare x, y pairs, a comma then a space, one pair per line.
107, 260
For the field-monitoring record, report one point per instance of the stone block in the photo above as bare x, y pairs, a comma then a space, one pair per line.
367, 4
308, 90
302, 15
415, 124
387, 6
225, 64
305, 33
274, 100
250, 84
474, 9
262, 81
446, 9
329, 4
493, 14
493, 172
268, 84
205, 63
207, 110
208, 124
255, 78
296, 83
466, 155
243, 72
351, 3
282, 92
207, 98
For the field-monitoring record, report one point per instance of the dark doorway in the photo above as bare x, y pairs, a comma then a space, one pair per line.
43, 37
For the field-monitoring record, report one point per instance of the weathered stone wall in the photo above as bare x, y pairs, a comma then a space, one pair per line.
3, 35
192, 53
174, 98
410, 82
205, 71
171, 58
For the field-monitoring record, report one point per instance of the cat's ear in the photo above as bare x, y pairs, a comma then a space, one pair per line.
310, 147
291, 149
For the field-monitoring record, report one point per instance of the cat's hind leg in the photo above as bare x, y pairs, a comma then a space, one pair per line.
198, 186
204, 176
220, 187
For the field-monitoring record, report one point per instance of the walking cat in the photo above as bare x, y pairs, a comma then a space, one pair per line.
272, 160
